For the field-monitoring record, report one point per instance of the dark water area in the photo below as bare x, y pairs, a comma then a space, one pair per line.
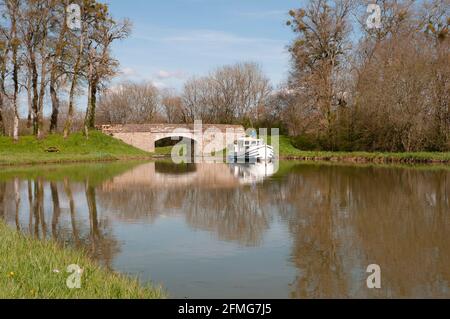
246, 231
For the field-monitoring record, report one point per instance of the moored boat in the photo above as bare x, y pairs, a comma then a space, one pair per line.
252, 150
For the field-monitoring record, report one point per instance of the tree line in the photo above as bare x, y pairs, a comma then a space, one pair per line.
386, 91
350, 87
230, 94
43, 57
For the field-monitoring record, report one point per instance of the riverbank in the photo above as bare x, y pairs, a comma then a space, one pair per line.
34, 269
76, 148
289, 152
101, 148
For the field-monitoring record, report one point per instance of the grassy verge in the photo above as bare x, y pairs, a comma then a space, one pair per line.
76, 148
35, 269
288, 151
100, 147
163, 151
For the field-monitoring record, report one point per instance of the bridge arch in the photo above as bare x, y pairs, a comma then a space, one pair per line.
169, 140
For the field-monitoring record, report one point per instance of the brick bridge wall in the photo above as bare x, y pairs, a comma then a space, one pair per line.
208, 137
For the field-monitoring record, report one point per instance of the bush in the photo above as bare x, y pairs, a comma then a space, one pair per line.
305, 143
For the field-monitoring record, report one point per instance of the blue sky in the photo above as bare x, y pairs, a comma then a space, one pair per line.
174, 40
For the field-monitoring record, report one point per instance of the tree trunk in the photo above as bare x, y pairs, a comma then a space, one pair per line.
2, 124
40, 134
69, 120
16, 67
35, 100
29, 99
89, 121
15, 96
53, 76
55, 107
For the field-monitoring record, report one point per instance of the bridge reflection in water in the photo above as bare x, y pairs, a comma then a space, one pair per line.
171, 176
215, 230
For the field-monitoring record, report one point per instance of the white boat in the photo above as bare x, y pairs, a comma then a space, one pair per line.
249, 149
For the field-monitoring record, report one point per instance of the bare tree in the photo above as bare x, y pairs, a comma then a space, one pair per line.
77, 46
4, 54
101, 66
322, 29
230, 94
172, 105
129, 103
57, 68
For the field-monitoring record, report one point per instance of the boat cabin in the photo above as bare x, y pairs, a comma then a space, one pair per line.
244, 144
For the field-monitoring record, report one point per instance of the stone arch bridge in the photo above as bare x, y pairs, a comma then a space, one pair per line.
208, 137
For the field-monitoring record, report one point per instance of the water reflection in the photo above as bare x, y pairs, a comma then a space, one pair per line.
308, 231
47, 210
253, 173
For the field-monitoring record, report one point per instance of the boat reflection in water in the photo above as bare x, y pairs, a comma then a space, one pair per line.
253, 173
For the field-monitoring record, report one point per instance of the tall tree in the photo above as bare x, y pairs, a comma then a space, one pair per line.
78, 45
58, 58
322, 40
31, 31
15, 43
101, 66
4, 54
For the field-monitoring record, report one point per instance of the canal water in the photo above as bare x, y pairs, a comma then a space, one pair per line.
246, 231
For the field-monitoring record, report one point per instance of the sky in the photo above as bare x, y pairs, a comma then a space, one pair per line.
174, 40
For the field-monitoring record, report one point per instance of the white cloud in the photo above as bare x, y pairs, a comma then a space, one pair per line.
128, 72
163, 74
159, 85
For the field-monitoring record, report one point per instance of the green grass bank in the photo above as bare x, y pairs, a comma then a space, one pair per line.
34, 269
100, 147
289, 152
76, 148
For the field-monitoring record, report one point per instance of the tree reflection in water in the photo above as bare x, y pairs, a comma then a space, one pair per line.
343, 219
339, 219
95, 237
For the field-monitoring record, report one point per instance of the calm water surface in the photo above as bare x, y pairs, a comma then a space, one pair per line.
220, 231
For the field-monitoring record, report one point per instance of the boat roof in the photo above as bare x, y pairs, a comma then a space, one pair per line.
250, 139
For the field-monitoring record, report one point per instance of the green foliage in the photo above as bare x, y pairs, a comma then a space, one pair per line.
305, 142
